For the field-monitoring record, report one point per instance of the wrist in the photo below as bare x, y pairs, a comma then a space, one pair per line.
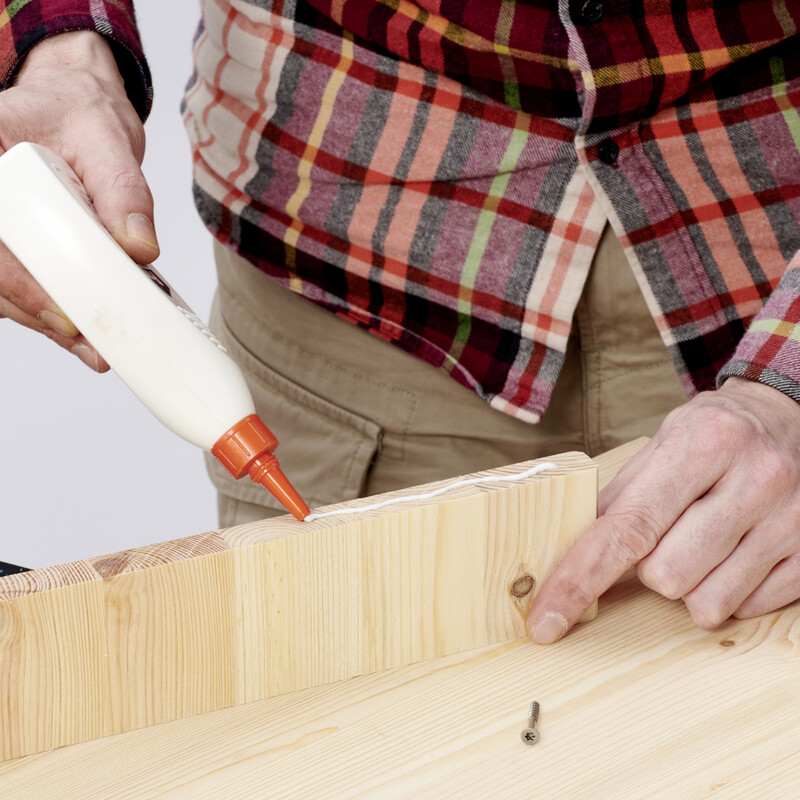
70, 50
762, 392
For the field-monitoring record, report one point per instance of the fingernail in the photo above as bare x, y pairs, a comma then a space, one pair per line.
87, 355
139, 227
57, 322
550, 628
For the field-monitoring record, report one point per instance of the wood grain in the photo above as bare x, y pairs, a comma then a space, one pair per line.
640, 704
172, 630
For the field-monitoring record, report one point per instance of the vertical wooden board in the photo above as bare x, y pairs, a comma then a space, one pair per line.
459, 601
521, 523
532, 528
312, 629
252, 593
53, 675
171, 642
324, 605
299, 611
397, 580
330, 599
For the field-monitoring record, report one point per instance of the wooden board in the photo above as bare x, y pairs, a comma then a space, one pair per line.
640, 704
217, 620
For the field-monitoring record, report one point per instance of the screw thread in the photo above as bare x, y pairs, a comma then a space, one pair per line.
533, 713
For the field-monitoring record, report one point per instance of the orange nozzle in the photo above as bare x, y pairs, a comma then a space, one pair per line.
247, 448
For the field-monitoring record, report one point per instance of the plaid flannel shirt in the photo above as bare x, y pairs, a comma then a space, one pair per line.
439, 172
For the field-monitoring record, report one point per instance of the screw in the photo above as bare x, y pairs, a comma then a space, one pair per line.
530, 735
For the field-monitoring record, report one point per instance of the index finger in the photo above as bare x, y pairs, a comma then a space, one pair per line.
634, 523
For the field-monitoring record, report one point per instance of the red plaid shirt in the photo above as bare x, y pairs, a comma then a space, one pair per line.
439, 172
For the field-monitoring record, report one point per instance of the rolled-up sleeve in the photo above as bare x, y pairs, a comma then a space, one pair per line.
769, 352
24, 23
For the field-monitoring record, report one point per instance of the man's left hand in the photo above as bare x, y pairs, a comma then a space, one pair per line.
708, 511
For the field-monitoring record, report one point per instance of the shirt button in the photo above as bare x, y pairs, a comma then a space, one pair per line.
607, 151
591, 11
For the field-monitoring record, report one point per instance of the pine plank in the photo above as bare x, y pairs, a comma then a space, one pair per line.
639, 704
182, 628
51, 627
422, 582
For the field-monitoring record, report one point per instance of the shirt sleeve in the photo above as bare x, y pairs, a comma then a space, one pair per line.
24, 23
769, 352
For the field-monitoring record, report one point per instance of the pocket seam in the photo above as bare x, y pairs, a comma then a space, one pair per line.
411, 397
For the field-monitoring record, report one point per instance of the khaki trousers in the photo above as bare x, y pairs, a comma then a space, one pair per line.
357, 416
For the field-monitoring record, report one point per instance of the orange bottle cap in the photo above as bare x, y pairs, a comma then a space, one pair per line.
247, 448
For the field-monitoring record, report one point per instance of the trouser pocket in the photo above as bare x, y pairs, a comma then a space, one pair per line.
325, 451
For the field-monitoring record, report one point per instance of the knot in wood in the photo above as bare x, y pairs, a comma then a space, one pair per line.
523, 586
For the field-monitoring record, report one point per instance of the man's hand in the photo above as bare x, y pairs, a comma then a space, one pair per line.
708, 511
69, 96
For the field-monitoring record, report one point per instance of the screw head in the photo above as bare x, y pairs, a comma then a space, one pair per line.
529, 735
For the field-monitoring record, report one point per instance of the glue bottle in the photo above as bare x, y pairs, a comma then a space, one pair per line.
134, 319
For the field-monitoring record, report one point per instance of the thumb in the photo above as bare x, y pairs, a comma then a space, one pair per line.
124, 204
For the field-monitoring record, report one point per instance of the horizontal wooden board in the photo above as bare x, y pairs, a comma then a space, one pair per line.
163, 632
640, 704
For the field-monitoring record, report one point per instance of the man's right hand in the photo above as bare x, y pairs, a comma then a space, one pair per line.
70, 97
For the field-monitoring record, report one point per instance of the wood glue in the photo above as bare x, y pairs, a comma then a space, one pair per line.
134, 319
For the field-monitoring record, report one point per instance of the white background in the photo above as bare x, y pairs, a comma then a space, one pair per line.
85, 469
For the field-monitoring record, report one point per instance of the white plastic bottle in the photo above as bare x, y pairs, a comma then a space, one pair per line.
159, 347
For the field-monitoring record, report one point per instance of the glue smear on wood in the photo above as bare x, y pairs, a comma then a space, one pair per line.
449, 487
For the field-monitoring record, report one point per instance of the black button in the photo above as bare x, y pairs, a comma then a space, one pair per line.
591, 11
607, 151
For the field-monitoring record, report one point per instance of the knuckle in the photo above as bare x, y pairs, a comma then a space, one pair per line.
127, 181
663, 577
578, 596
115, 185
136, 138
673, 416
725, 427
632, 535
21, 291
708, 614
676, 419
572, 592
776, 470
